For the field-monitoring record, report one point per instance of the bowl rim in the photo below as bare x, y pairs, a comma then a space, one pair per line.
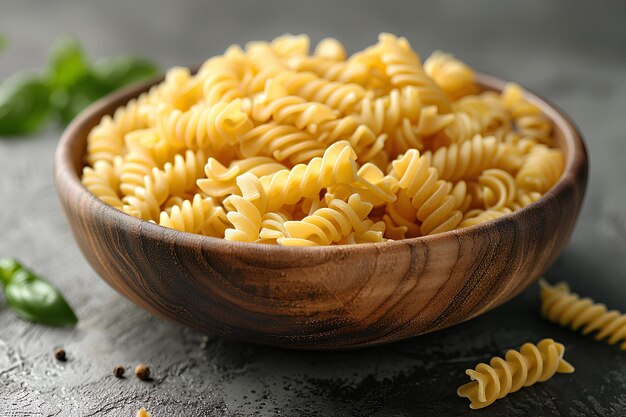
66, 172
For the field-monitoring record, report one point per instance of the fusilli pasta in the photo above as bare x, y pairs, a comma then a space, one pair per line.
531, 364
561, 306
273, 144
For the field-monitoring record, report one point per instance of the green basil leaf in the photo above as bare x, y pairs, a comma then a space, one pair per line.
118, 71
8, 267
3, 42
67, 62
35, 299
68, 103
24, 104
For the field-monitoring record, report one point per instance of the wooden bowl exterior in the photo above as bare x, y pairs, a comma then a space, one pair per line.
320, 297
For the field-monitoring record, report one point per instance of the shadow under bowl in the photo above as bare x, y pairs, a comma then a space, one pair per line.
320, 297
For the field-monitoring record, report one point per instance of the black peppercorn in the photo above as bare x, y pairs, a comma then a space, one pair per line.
59, 354
118, 371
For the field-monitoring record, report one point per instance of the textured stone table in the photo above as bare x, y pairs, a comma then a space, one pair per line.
571, 52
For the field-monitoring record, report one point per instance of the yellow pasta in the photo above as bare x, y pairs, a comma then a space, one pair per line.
531, 364
276, 104
286, 187
143, 413
541, 170
528, 118
247, 210
271, 143
403, 67
466, 160
221, 181
196, 216
203, 127
102, 182
330, 224
561, 306
284, 143
429, 196
454, 77
498, 189
273, 226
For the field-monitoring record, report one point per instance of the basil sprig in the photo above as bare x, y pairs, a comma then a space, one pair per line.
68, 84
32, 297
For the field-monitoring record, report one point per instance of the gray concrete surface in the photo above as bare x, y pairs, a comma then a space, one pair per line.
571, 52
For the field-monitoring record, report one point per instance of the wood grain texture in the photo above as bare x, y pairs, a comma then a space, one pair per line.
325, 297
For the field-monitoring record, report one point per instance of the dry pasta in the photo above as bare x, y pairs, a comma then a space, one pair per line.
531, 364
561, 306
273, 144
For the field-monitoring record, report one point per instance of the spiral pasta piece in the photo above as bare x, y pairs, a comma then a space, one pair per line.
372, 185
528, 118
102, 182
183, 172
344, 97
382, 114
275, 103
465, 160
487, 110
523, 368
221, 181
403, 67
286, 144
288, 46
331, 49
195, 216
401, 216
498, 189
203, 127
176, 179
462, 193
145, 201
106, 140
524, 198
337, 166
222, 85
455, 78
474, 217
248, 209
363, 140
329, 224
393, 230
150, 144
429, 196
541, 170
179, 89
409, 135
329, 61
273, 226
561, 306
135, 166
331, 70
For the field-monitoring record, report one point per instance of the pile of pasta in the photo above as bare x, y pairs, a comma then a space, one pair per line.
274, 144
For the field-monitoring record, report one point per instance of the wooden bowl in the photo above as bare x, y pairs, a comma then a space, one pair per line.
320, 297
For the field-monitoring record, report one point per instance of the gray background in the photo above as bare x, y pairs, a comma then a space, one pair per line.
571, 52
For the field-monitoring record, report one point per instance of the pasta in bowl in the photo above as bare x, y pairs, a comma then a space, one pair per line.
428, 193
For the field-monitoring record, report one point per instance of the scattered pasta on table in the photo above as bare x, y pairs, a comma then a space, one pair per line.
143, 413
561, 306
276, 145
531, 364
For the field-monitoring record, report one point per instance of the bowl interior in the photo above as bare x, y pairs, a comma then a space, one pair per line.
73, 146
